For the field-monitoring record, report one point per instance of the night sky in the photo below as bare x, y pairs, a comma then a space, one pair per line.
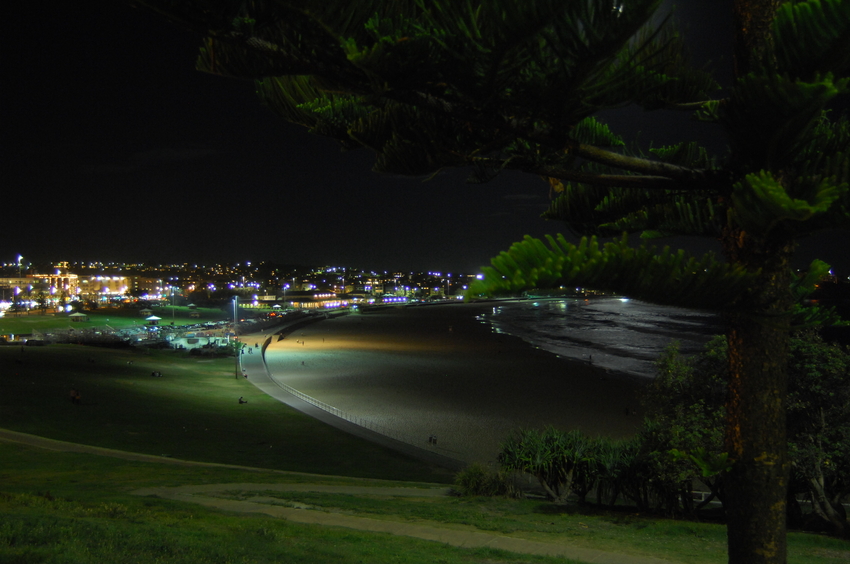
118, 150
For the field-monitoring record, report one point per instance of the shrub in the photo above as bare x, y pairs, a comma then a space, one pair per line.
479, 480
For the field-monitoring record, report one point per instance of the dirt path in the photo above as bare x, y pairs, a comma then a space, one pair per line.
216, 496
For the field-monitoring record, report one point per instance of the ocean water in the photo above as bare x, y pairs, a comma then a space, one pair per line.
617, 334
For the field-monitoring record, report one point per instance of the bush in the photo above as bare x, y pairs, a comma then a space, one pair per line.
685, 414
217, 352
479, 480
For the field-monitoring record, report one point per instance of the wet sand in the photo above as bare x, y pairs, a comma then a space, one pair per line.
415, 372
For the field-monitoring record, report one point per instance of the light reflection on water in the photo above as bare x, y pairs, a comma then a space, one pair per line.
618, 334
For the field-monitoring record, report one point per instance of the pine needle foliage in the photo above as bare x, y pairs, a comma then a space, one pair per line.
519, 85
664, 277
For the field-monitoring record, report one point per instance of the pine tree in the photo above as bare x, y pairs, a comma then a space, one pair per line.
508, 84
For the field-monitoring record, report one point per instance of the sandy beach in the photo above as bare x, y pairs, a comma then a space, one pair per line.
437, 370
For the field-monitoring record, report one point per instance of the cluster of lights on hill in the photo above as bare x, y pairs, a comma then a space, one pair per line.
31, 285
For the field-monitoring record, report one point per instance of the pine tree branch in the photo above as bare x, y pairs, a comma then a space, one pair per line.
293, 65
665, 277
325, 59
610, 180
283, 62
525, 128
499, 120
688, 106
637, 164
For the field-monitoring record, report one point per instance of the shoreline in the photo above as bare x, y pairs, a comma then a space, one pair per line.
439, 371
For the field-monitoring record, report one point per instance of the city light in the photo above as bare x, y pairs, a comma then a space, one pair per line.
258, 285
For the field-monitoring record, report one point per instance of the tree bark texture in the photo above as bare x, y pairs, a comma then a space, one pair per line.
757, 334
753, 19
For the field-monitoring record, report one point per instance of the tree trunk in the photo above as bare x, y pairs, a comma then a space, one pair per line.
753, 19
757, 334
824, 508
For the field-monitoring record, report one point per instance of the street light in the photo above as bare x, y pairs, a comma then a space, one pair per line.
285, 286
235, 339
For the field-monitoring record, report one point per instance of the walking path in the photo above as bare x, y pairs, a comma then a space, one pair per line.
433, 532
206, 495
254, 366
210, 495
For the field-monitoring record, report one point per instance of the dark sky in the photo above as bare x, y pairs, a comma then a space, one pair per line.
118, 150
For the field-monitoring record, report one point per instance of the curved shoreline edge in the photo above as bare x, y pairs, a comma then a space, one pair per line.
437, 368
259, 375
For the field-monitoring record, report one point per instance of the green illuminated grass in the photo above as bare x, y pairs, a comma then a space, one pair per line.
104, 525
191, 413
71, 507
117, 318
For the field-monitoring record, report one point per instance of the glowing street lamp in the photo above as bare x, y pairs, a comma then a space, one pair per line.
235, 339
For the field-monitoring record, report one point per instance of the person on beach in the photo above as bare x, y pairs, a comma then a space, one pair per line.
241, 401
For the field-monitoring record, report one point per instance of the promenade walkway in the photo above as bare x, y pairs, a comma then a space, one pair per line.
254, 366
217, 496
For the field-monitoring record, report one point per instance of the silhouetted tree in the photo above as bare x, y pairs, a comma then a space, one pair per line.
515, 85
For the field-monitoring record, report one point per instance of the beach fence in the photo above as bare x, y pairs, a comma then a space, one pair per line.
359, 421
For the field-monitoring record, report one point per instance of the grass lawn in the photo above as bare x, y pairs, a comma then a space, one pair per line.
191, 413
75, 509
71, 507
115, 317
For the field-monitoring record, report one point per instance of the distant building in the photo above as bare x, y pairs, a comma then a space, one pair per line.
55, 287
102, 288
314, 299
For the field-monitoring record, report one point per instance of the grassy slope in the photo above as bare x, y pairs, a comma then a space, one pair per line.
74, 508
192, 413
